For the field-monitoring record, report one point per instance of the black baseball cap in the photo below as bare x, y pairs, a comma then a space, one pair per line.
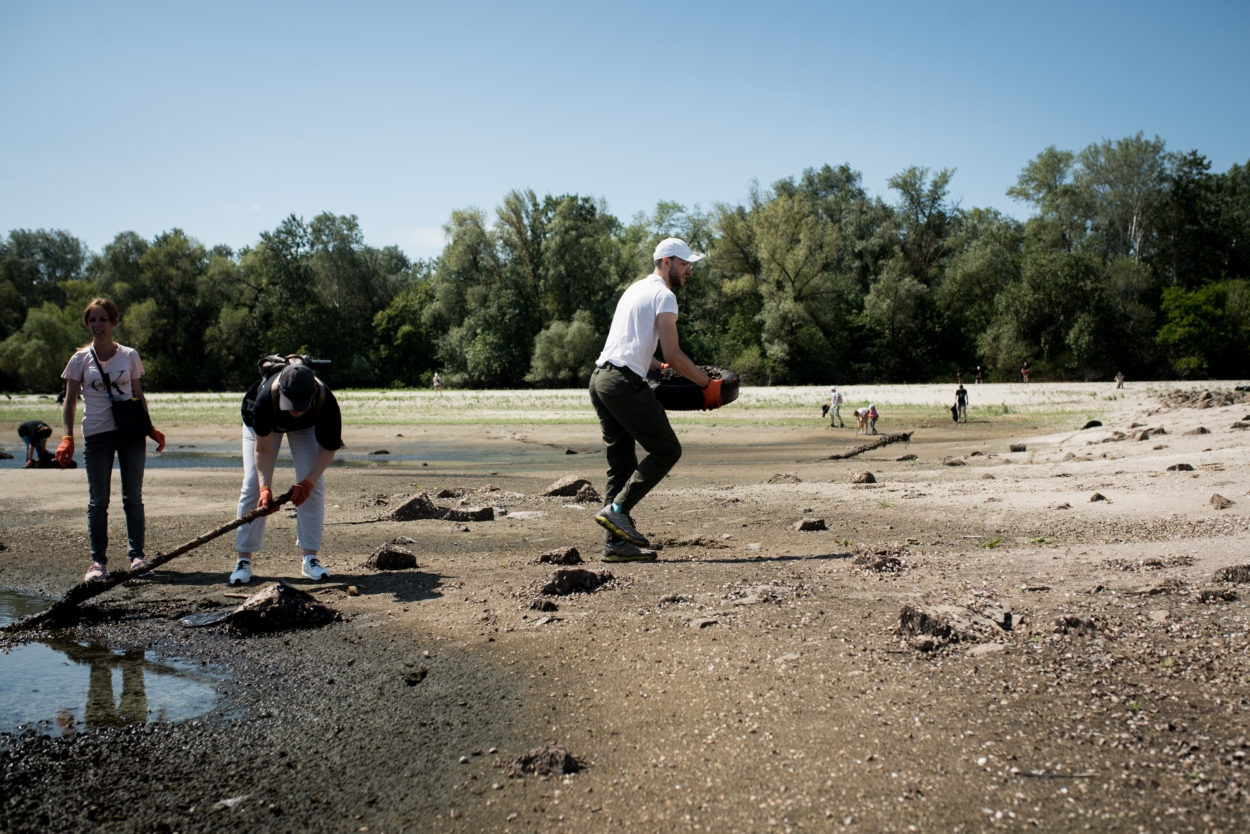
296, 387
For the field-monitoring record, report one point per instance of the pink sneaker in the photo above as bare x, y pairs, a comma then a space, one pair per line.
137, 564
98, 571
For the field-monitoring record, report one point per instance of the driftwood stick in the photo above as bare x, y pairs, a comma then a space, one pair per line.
883, 440
84, 591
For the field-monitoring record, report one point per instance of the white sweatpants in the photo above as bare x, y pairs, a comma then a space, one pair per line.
310, 517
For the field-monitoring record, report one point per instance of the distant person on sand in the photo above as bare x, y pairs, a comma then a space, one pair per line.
835, 407
1119, 379
438, 383
1024, 373
961, 402
979, 380
35, 434
872, 419
959, 376
861, 419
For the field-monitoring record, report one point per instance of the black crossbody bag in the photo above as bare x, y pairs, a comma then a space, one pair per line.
131, 416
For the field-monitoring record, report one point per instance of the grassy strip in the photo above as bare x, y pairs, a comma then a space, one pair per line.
1060, 406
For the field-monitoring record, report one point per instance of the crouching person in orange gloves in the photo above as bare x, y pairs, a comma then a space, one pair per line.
108, 374
295, 403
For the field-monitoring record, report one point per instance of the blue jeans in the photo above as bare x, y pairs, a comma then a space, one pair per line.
98, 458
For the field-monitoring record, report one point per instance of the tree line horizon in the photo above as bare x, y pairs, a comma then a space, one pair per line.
1134, 259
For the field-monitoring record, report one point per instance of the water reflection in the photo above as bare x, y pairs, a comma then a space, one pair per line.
60, 685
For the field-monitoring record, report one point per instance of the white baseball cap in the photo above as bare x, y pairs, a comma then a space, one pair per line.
675, 247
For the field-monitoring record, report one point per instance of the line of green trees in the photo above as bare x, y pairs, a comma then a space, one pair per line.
1134, 258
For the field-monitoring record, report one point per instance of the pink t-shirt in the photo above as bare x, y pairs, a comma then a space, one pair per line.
123, 368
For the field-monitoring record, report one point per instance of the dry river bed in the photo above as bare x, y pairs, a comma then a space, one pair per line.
753, 679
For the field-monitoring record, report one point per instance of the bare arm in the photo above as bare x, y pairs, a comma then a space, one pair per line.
265, 459
137, 394
321, 461
666, 323
69, 407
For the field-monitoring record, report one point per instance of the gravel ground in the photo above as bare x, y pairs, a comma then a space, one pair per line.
752, 679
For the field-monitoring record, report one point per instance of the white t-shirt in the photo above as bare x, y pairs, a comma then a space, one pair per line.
633, 336
837, 398
123, 368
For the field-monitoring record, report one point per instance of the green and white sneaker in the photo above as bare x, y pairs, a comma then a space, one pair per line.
242, 572
313, 570
623, 551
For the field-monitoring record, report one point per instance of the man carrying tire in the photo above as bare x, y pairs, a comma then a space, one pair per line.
627, 408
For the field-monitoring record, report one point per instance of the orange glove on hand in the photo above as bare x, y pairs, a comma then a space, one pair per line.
65, 452
159, 438
301, 491
664, 366
711, 395
266, 499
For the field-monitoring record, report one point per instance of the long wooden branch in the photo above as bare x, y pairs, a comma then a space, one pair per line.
84, 591
883, 440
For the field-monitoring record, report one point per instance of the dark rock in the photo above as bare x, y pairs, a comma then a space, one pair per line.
1220, 502
1064, 506
416, 508
787, 478
1240, 424
861, 477
906, 458
548, 760
570, 451
403, 540
391, 557
573, 581
587, 495
380, 452
452, 492
953, 623
1199, 430
986, 476
1097, 496
5, 455
1235, 573
278, 608
810, 525
566, 487
1080, 626
543, 605
561, 556
1018, 447
1217, 595
1180, 467
954, 462
471, 514
977, 454
1092, 424
414, 678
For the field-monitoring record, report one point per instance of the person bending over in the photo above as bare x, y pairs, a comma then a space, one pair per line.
35, 434
627, 408
296, 404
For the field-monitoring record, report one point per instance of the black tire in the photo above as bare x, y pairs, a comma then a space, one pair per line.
676, 393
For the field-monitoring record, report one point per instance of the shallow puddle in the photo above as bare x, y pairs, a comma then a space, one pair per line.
59, 685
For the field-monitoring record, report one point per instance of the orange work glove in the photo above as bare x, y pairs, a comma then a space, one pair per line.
664, 366
711, 395
301, 491
266, 499
159, 438
65, 452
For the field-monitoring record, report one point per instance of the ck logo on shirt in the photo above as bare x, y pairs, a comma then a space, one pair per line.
118, 379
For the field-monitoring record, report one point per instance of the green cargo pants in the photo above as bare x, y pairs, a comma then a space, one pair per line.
628, 413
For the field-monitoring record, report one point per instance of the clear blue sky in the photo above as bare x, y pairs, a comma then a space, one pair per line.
222, 118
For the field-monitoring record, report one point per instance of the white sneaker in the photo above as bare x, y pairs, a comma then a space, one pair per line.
242, 572
313, 570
